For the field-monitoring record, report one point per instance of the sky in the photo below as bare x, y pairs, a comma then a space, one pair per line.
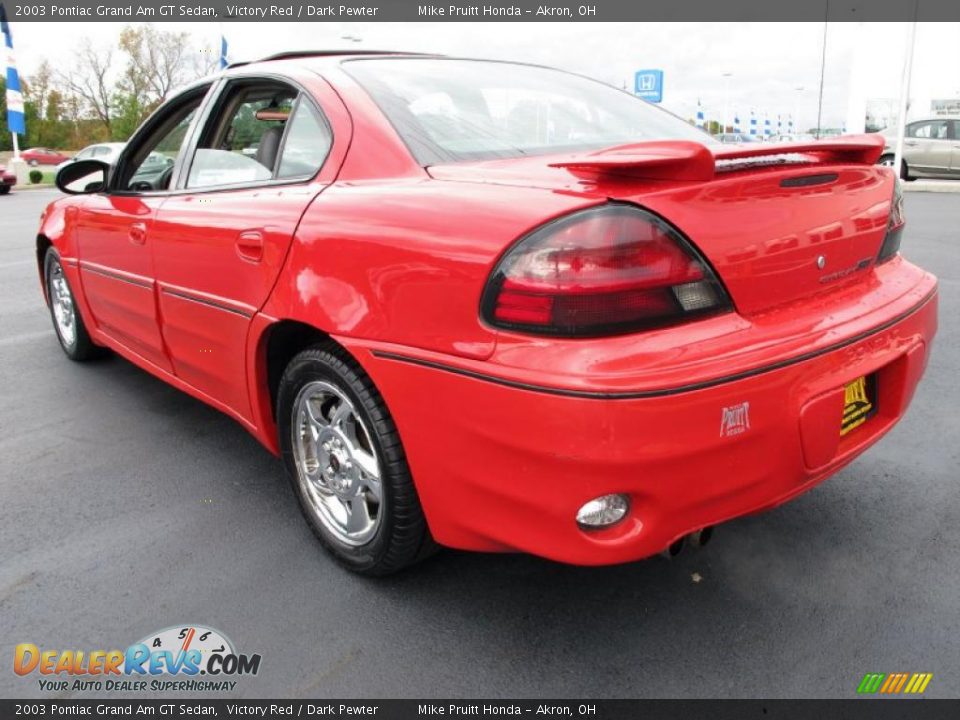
774, 68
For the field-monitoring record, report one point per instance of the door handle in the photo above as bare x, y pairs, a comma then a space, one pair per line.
250, 245
137, 233
910, 143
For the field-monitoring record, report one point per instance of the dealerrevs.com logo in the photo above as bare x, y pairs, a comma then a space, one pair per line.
179, 658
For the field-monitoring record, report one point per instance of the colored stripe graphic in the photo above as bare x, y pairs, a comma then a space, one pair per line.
894, 683
871, 683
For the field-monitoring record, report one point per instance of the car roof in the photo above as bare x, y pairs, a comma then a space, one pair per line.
323, 54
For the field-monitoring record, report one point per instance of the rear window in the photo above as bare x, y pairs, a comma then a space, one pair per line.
449, 110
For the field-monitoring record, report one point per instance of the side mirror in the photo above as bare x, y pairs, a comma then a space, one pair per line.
83, 177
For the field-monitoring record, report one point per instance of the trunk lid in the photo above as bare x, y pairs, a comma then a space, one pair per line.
778, 222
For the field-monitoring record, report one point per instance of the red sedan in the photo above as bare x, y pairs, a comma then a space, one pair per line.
43, 156
495, 306
7, 180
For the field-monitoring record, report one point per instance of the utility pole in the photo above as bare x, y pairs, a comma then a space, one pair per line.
905, 90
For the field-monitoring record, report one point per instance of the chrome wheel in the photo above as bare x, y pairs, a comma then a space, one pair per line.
337, 466
61, 301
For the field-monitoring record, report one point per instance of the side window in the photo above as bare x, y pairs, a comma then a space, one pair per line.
85, 153
101, 151
936, 130
242, 139
148, 165
307, 143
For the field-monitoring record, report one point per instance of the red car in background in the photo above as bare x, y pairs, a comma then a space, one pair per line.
7, 180
43, 156
496, 306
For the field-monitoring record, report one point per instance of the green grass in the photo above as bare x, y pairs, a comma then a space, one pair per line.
48, 177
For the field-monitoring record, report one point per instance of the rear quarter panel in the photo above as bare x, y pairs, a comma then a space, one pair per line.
405, 261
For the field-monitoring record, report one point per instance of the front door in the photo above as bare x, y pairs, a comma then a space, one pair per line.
117, 272
955, 155
221, 240
114, 235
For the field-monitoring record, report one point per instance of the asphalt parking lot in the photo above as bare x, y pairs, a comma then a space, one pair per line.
127, 507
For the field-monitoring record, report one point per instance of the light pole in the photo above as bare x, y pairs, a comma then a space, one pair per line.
726, 99
796, 109
905, 91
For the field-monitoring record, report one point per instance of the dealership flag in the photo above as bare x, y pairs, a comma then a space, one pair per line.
753, 123
15, 120
700, 121
736, 123
223, 53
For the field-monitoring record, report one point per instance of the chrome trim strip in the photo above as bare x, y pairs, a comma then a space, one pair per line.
204, 301
97, 270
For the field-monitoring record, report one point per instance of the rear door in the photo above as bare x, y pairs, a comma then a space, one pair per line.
221, 240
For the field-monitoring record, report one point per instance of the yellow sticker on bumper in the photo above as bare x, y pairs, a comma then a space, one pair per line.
858, 405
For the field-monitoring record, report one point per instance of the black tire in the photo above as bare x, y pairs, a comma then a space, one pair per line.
4, 189
82, 347
904, 170
402, 537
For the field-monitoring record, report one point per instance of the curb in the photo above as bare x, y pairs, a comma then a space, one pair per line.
937, 186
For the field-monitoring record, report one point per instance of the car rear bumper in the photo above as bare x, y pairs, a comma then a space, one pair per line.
504, 465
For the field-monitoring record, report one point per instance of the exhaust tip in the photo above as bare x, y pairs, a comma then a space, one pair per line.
701, 537
674, 549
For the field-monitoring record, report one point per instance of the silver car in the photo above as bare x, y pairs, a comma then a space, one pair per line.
107, 152
931, 148
736, 138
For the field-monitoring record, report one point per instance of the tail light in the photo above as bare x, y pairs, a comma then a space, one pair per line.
891, 242
607, 270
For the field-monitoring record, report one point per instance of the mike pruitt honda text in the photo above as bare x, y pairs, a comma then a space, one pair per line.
454, 11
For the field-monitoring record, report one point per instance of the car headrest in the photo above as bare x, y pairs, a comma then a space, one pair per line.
268, 147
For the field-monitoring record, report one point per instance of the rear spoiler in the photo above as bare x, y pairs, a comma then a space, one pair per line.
691, 161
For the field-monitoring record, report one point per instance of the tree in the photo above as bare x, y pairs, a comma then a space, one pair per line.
88, 78
157, 62
100, 96
42, 108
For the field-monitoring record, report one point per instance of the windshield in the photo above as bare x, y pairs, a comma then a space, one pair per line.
449, 110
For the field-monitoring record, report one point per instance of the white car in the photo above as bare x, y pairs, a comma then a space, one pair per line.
107, 152
793, 137
931, 148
